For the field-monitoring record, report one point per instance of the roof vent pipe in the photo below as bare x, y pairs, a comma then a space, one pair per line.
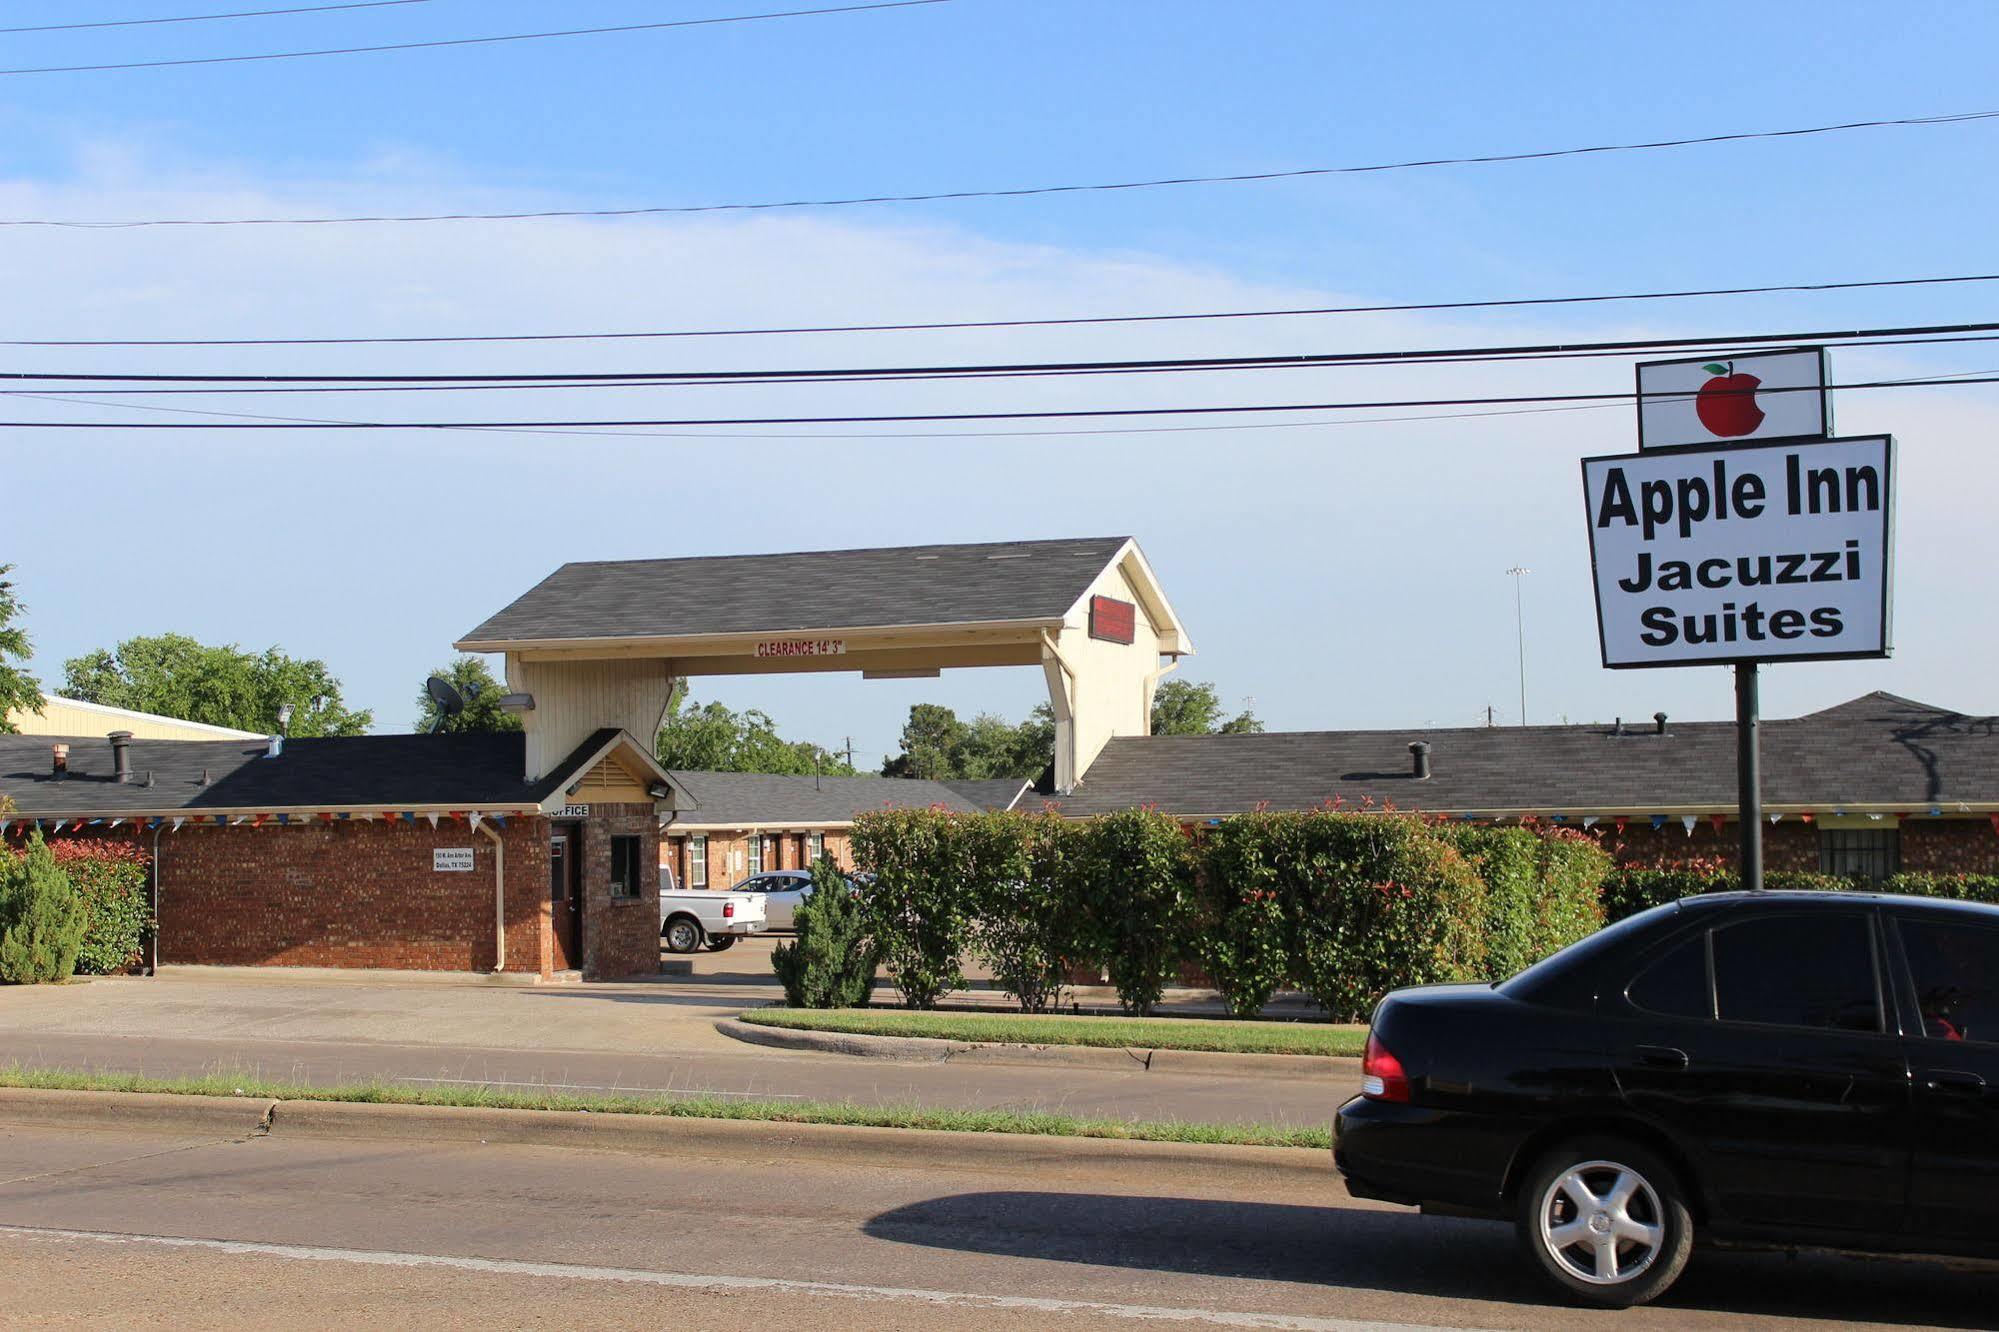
121, 756
275, 747
1419, 754
60, 753
1617, 727
1659, 720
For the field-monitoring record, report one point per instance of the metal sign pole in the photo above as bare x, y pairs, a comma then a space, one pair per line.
1749, 774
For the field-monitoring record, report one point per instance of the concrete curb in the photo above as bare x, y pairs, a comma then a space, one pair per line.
232, 1116
659, 1135
925, 1049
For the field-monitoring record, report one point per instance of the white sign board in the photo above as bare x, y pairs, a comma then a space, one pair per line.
1761, 552
451, 859
1719, 398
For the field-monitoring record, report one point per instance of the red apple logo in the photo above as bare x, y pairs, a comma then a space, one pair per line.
1726, 404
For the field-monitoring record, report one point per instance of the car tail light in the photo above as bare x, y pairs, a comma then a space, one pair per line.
728, 910
1381, 1075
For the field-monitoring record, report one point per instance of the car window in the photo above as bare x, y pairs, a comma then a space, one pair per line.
1956, 970
1677, 984
1808, 969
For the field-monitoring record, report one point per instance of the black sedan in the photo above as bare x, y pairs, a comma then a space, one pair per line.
1793, 1069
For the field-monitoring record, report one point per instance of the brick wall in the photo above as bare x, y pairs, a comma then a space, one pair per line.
1945, 845
728, 854
350, 894
620, 934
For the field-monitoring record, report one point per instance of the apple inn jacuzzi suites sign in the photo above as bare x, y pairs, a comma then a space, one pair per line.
1740, 532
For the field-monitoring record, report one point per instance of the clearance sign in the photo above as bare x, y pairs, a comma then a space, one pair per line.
1754, 551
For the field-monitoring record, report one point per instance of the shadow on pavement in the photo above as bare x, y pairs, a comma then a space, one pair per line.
1403, 1252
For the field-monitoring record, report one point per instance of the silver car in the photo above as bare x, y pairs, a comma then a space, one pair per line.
782, 891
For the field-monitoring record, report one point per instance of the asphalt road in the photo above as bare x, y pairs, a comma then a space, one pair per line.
100, 1227
742, 1071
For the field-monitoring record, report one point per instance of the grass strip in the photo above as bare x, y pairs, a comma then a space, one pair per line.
1288, 1038
691, 1106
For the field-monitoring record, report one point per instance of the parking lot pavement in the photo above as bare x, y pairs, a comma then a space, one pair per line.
115, 1226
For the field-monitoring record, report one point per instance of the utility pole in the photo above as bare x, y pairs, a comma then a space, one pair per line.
1516, 573
850, 751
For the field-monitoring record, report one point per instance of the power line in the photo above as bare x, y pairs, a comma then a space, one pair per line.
470, 41
1507, 303
858, 200
210, 18
1068, 414
1969, 376
1906, 335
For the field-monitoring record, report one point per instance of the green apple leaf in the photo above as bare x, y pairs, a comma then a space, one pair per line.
1715, 368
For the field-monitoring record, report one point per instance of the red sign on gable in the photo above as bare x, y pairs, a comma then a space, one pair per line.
1112, 620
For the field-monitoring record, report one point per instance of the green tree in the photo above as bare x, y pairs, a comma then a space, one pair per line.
936, 745
833, 961
481, 692
1192, 707
715, 738
176, 676
42, 920
18, 689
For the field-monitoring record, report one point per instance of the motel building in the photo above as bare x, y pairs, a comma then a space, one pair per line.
539, 854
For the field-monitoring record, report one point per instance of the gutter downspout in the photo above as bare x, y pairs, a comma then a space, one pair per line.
499, 898
153, 968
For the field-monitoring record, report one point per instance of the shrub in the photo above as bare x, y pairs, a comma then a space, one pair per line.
916, 905
1240, 931
1025, 924
42, 919
1626, 892
1374, 902
113, 881
1509, 862
1133, 883
1956, 887
832, 961
1573, 868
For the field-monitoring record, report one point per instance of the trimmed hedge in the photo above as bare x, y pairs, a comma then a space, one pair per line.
1343, 905
1958, 887
1626, 892
114, 881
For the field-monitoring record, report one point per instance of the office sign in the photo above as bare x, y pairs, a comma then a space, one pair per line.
574, 812
1722, 397
451, 860
1750, 552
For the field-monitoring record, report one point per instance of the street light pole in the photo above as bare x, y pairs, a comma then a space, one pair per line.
1516, 573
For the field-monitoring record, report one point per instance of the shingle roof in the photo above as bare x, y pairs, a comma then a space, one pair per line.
990, 792
1874, 750
806, 591
391, 771
743, 799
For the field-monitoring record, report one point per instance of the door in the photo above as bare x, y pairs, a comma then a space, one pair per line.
565, 904
1953, 975
782, 894
1762, 1046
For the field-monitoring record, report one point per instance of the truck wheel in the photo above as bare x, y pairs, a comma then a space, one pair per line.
1606, 1221
721, 943
682, 935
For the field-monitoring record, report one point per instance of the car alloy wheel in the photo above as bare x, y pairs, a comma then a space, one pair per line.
1602, 1223
1606, 1220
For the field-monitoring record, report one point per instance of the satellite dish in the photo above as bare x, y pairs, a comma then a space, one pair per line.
447, 698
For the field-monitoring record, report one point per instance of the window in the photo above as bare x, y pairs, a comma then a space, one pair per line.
1865, 853
815, 847
1957, 979
697, 862
624, 867
1804, 970
1677, 984
756, 865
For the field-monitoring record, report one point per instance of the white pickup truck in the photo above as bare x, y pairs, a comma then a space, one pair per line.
690, 918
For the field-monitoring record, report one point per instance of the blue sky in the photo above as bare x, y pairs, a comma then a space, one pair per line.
1341, 575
